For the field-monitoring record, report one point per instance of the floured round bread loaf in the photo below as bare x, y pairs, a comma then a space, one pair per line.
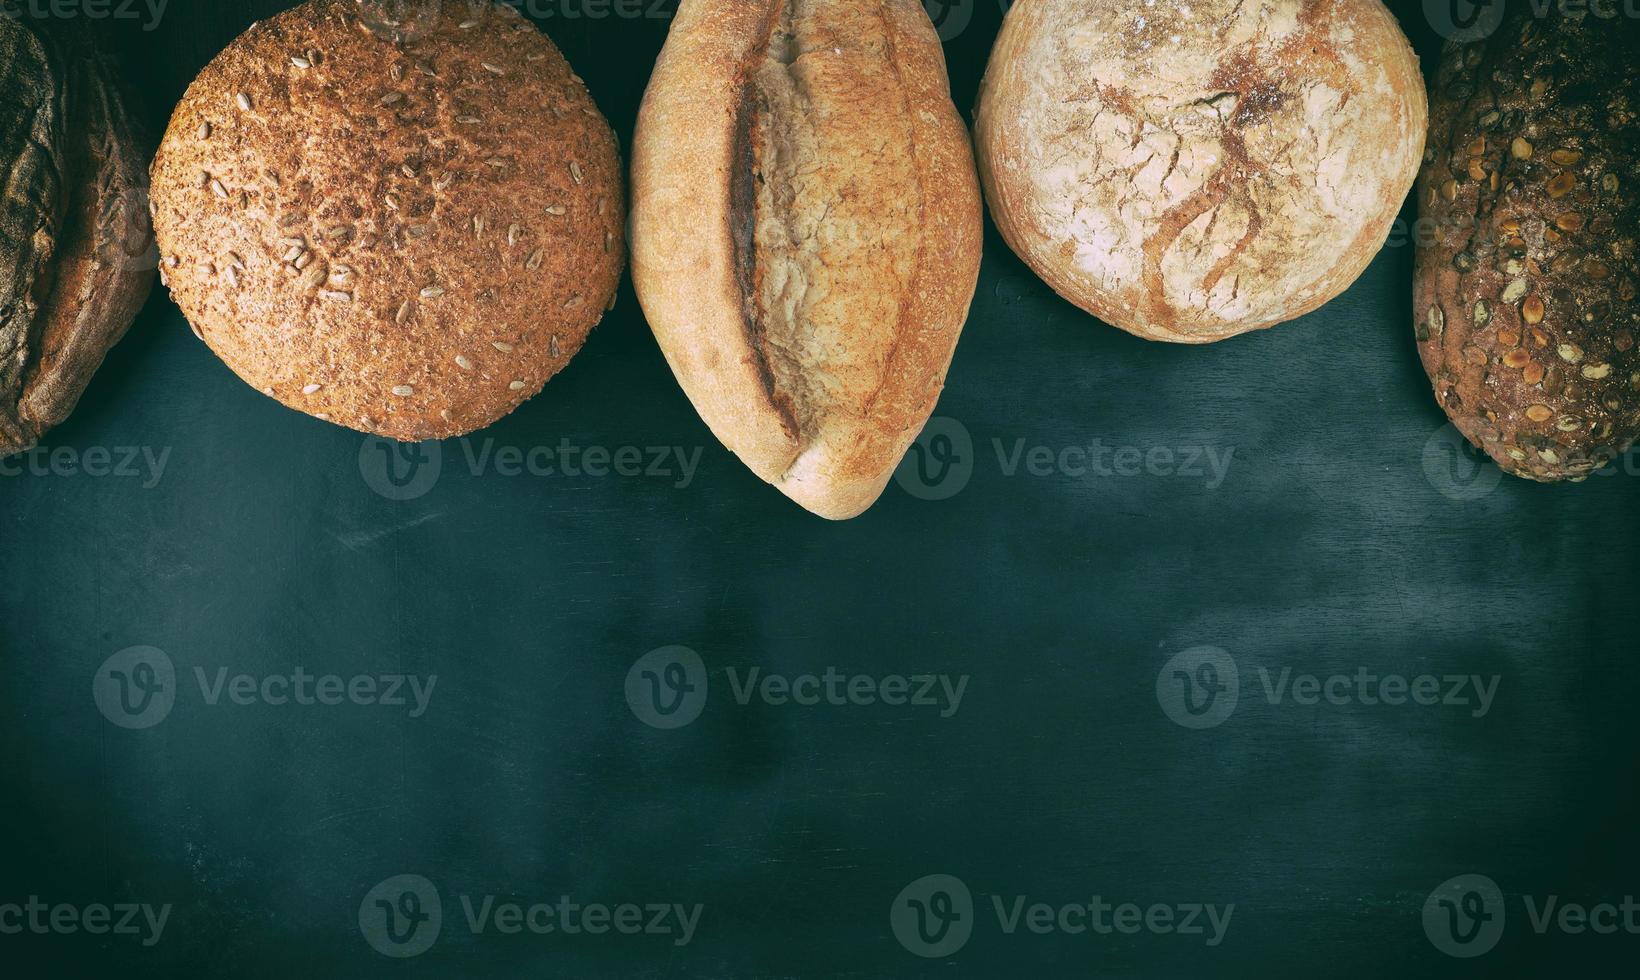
404, 225
1192, 172
806, 233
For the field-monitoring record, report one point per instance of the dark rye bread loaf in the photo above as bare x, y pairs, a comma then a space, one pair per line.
404, 226
1525, 304
76, 260
806, 233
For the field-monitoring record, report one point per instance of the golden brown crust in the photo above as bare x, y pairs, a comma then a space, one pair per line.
95, 264
32, 122
806, 233
1525, 302
1190, 178
405, 231
105, 266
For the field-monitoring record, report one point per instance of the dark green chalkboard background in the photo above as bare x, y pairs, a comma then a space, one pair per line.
1346, 534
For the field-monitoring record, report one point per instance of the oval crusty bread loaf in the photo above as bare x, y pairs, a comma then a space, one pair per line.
1525, 299
806, 233
76, 259
404, 231
1192, 173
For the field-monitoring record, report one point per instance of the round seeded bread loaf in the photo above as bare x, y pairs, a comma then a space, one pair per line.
1189, 173
404, 226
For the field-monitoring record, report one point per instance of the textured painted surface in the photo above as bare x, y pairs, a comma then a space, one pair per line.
1336, 538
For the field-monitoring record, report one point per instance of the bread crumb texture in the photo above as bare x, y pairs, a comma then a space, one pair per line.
1189, 172
403, 226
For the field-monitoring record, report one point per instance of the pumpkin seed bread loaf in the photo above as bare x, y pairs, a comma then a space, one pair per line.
76, 260
1525, 305
401, 222
1190, 172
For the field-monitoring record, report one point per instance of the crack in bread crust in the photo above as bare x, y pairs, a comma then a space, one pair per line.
743, 196
1192, 178
836, 200
813, 318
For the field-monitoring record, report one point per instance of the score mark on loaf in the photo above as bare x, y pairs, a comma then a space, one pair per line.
806, 233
